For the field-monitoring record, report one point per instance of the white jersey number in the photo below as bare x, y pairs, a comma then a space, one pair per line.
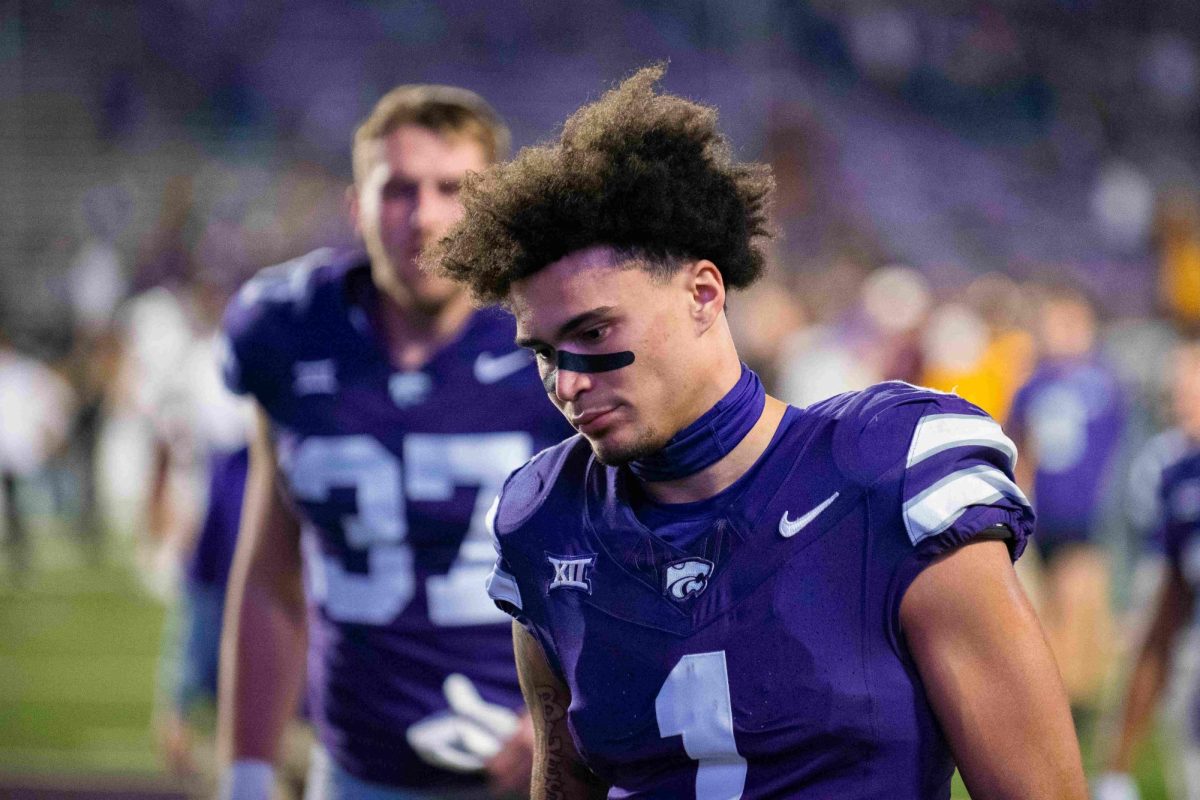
694, 703
434, 466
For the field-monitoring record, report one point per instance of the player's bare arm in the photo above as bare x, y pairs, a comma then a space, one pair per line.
262, 648
558, 771
990, 677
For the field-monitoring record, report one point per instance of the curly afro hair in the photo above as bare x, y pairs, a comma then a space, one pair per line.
645, 173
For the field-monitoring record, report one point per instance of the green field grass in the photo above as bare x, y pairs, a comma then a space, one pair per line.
78, 655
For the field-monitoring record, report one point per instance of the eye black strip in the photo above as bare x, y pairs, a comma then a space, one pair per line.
601, 362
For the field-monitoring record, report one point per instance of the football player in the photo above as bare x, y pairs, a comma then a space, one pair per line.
718, 595
1068, 420
199, 432
389, 411
1179, 526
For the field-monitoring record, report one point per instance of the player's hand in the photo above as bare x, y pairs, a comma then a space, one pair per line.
467, 735
1115, 786
509, 773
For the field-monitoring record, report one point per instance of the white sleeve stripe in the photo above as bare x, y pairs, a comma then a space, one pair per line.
489, 522
939, 432
502, 586
935, 509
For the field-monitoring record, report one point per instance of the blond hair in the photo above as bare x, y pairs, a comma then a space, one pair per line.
446, 110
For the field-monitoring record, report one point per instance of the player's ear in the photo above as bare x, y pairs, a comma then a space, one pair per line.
708, 293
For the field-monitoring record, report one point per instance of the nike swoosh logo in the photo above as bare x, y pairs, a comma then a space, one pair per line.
790, 527
491, 368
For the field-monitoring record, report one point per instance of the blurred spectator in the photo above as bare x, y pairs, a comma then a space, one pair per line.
1178, 235
203, 556
818, 361
193, 509
896, 301
35, 408
1068, 420
156, 338
981, 349
954, 345
96, 283
875, 339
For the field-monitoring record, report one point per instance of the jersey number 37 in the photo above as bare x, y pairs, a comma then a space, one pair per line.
434, 466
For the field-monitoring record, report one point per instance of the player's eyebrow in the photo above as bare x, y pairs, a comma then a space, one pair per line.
570, 326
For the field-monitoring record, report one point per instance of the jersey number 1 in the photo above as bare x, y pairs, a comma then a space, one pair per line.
694, 702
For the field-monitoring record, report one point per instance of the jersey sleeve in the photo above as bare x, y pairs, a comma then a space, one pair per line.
939, 472
516, 524
1179, 501
502, 584
958, 480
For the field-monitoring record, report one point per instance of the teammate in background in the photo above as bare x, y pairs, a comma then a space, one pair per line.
716, 594
1179, 503
389, 411
1068, 421
200, 431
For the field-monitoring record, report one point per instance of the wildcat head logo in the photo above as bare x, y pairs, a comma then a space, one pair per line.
687, 578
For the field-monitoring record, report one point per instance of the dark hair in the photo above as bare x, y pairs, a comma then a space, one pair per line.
646, 173
445, 110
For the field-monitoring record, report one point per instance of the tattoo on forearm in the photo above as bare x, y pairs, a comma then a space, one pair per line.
550, 775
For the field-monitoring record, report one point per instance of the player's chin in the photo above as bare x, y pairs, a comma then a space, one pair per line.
432, 302
429, 293
613, 450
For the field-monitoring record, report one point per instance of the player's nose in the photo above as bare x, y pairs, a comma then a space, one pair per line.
431, 214
568, 385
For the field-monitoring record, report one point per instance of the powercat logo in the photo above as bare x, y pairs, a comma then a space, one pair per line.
687, 578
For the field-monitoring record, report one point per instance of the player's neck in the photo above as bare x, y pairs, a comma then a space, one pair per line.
721, 475
412, 335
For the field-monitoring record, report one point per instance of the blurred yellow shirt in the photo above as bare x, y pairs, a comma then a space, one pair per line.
993, 381
1180, 278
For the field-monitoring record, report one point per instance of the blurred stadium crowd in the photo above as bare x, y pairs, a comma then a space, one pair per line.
946, 169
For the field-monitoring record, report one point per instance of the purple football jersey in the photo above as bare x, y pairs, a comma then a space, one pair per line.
392, 474
213, 554
765, 659
1144, 506
1072, 412
1179, 504
1179, 507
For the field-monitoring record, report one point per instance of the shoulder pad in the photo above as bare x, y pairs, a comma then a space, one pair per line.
274, 290
947, 463
289, 283
528, 487
875, 426
260, 316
